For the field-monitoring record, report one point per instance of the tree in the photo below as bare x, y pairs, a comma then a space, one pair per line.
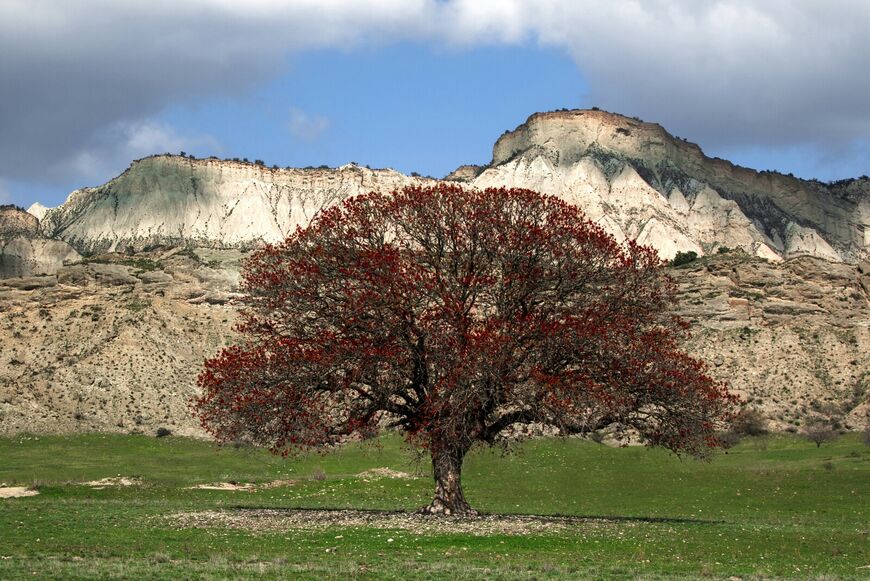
459, 317
819, 431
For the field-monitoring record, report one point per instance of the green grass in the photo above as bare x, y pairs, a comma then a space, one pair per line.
776, 507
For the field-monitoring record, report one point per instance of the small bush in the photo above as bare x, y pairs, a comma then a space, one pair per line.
749, 422
729, 439
163, 432
684, 258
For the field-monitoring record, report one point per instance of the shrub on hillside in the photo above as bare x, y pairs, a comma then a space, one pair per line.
684, 258
749, 422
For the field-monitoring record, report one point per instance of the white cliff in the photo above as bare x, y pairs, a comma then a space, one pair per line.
165, 200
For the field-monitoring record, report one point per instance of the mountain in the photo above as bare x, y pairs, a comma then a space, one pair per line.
639, 181
634, 178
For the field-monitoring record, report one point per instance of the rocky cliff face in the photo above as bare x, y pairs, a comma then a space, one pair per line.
23, 249
639, 181
165, 200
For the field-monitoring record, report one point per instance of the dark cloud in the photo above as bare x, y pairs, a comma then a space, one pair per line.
83, 81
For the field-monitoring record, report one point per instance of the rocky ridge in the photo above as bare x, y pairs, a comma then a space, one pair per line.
634, 178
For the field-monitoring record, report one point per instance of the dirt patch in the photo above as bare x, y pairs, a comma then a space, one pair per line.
375, 473
114, 481
277, 484
16, 492
272, 520
224, 486
250, 487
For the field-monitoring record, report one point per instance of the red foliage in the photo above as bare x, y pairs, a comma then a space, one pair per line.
456, 315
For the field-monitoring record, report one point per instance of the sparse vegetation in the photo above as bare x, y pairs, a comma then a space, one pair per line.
138, 305
141, 263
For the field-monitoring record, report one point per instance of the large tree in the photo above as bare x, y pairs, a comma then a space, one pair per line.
459, 316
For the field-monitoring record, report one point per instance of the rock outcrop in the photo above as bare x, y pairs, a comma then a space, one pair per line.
24, 252
634, 178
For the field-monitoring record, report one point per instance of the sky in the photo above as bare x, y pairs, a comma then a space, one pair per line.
418, 85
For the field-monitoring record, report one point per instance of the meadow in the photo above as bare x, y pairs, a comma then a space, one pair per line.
771, 507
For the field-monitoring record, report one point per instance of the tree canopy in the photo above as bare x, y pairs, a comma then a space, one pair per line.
458, 316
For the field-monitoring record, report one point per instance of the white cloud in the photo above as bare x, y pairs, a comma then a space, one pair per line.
5, 196
769, 72
122, 142
307, 127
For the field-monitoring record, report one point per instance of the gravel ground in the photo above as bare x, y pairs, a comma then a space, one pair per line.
270, 520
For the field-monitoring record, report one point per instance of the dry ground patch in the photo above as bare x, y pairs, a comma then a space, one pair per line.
276, 520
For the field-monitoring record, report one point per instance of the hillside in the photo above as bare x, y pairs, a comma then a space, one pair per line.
115, 344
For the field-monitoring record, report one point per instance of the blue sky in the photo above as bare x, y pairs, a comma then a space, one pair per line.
410, 107
418, 85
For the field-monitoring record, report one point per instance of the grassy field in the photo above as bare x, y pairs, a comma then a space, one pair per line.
775, 507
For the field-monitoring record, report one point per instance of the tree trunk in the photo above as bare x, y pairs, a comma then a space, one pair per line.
449, 499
